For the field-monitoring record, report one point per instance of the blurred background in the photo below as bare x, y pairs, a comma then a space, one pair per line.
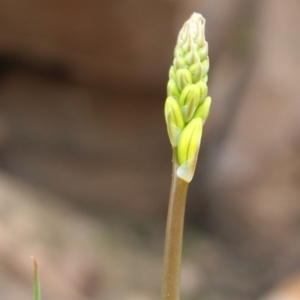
85, 161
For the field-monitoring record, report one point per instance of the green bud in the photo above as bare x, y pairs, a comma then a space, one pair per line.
178, 51
174, 120
182, 36
205, 78
187, 46
203, 110
179, 63
172, 107
192, 57
196, 71
183, 77
203, 90
189, 110
188, 148
189, 141
199, 30
192, 32
172, 89
172, 73
203, 52
205, 65
191, 91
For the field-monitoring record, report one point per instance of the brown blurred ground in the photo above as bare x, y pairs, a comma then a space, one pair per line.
85, 158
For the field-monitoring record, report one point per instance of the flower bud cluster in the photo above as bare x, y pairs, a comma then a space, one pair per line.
187, 104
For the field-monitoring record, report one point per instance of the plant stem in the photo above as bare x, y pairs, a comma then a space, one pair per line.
174, 233
36, 287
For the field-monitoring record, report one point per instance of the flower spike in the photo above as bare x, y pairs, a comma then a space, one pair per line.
187, 106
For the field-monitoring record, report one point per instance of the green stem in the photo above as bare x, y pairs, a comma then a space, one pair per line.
36, 286
174, 233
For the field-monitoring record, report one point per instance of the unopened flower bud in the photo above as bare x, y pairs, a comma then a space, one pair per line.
196, 72
179, 63
174, 120
172, 73
172, 89
203, 52
203, 110
203, 90
178, 51
189, 141
192, 57
187, 46
205, 65
191, 91
183, 77
188, 148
